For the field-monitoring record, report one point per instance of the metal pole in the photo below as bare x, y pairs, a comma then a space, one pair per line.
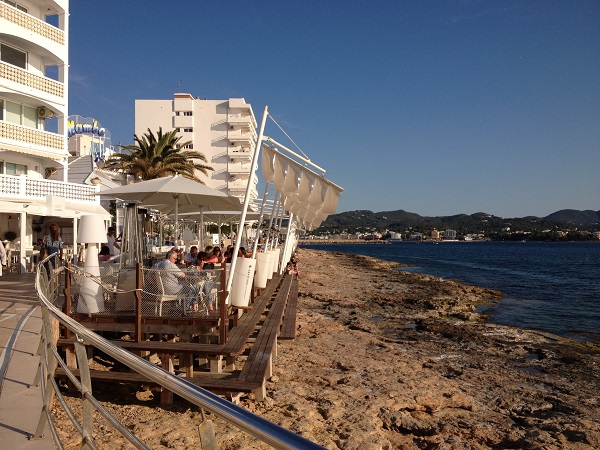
247, 197
262, 209
275, 206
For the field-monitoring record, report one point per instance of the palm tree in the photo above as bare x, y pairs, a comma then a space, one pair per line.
158, 156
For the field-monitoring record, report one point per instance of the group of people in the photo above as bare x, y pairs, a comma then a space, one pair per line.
195, 280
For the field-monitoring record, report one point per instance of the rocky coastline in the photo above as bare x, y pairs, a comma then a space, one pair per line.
385, 359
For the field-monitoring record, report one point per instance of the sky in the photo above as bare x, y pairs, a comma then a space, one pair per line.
434, 107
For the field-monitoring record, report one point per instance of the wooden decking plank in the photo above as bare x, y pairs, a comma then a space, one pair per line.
207, 382
255, 366
288, 328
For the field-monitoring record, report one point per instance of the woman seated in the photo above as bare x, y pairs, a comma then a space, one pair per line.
104, 254
218, 255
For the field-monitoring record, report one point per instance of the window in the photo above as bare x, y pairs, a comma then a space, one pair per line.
18, 114
13, 56
15, 169
29, 117
187, 113
188, 130
13, 113
15, 5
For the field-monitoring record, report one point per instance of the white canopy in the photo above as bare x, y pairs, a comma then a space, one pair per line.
305, 193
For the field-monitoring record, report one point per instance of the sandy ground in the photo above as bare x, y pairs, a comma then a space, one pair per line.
385, 359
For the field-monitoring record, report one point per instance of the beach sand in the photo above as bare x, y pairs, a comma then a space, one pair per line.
385, 359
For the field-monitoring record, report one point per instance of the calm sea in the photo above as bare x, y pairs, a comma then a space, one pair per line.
553, 287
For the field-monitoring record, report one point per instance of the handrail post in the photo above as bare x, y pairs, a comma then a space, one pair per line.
138, 302
86, 388
68, 296
224, 327
47, 367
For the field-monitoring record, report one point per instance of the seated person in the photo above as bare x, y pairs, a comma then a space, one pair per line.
171, 275
104, 254
218, 255
228, 253
206, 280
211, 259
191, 258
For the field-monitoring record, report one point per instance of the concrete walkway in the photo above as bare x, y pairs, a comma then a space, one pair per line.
20, 328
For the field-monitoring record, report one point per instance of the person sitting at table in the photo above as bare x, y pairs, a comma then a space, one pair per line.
191, 258
210, 259
218, 255
104, 254
179, 257
171, 274
228, 253
206, 279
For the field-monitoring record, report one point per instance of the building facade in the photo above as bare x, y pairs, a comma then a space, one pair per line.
34, 61
223, 130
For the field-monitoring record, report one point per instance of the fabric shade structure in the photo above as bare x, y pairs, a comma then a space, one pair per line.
305, 193
168, 194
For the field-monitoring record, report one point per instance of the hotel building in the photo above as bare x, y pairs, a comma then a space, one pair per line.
34, 61
224, 131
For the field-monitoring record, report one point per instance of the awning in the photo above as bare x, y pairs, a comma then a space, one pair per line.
308, 195
38, 208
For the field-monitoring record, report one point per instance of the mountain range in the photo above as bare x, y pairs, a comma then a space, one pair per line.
401, 221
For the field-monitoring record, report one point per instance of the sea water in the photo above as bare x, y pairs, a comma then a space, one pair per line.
554, 287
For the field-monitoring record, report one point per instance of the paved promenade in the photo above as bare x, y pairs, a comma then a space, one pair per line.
20, 402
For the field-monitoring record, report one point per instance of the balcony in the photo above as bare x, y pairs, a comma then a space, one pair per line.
20, 187
239, 153
46, 88
31, 141
241, 120
237, 137
31, 24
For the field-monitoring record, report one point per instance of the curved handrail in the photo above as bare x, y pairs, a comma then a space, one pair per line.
262, 429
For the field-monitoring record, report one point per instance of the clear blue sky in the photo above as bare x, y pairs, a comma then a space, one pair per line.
434, 107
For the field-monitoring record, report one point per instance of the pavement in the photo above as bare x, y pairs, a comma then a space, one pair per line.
20, 333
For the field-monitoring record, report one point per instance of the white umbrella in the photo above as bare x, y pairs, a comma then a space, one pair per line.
171, 193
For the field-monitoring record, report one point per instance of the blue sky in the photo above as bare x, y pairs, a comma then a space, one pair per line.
434, 107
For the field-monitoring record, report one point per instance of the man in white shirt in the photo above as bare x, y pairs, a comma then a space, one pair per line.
171, 273
112, 241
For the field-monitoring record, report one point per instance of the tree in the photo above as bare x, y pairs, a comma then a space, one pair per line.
158, 156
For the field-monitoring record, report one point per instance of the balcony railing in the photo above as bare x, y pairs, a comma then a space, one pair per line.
26, 135
31, 23
21, 187
30, 80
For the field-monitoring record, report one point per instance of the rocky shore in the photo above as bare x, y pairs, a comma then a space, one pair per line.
385, 359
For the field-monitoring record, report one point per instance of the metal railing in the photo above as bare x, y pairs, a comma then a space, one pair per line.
47, 283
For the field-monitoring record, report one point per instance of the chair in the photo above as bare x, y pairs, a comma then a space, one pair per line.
162, 297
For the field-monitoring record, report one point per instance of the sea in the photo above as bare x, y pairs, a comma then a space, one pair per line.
552, 287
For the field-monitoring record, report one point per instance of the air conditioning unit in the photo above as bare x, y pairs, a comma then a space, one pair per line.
44, 113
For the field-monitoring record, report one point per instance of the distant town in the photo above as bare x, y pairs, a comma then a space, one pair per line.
565, 225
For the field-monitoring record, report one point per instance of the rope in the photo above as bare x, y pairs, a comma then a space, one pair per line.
98, 280
288, 136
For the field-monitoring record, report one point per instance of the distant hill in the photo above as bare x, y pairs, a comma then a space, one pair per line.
401, 221
583, 218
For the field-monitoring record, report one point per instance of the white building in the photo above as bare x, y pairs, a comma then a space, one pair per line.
223, 130
34, 61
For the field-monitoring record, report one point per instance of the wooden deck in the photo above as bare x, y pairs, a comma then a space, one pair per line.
251, 341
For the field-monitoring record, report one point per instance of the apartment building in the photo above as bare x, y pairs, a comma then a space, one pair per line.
223, 130
34, 61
